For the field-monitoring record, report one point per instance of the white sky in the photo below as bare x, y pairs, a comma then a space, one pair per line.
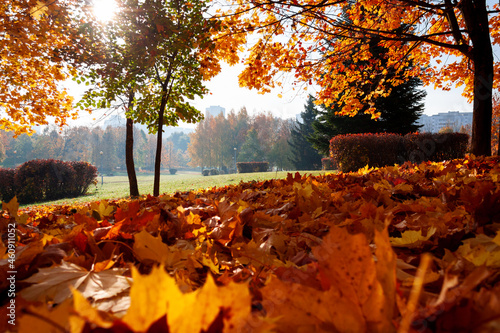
227, 93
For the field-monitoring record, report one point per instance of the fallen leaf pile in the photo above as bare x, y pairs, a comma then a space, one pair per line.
406, 248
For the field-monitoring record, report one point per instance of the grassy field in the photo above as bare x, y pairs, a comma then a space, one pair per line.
115, 187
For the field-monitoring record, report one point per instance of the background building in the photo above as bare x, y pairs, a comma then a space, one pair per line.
214, 111
453, 119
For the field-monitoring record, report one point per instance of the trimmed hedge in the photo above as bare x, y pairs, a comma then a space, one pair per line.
210, 172
40, 180
354, 151
86, 175
7, 186
248, 167
435, 147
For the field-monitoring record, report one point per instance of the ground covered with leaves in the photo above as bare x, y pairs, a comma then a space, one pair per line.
408, 248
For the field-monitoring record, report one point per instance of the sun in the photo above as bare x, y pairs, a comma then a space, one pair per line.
105, 10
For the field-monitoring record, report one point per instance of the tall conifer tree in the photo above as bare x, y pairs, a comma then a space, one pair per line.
251, 150
304, 155
399, 111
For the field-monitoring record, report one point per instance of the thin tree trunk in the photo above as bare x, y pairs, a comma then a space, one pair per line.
159, 138
129, 158
167, 86
476, 18
129, 150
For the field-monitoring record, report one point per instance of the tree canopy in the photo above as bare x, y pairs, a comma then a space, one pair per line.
33, 36
399, 112
310, 40
157, 53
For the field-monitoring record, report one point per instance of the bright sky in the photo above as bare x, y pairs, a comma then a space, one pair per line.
225, 92
104, 10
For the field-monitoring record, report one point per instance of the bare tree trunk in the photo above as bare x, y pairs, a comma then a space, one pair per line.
476, 18
159, 138
129, 150
129, 159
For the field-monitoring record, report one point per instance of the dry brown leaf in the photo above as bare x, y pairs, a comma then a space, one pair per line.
298, 308
53, 283
347, 266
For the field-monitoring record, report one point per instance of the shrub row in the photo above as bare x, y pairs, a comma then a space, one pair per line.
40, 180
420, 147
354, 151
210, 172
248, 167
7, 187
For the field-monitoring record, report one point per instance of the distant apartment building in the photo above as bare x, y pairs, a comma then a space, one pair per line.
214, 111
453, 119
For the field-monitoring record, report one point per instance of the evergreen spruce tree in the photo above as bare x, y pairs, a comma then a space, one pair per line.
304, 155
402, 108
398, 114
251, 151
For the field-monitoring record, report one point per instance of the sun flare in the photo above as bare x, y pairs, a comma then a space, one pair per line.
105, 10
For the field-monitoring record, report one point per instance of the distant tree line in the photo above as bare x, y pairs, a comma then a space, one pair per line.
104, 148
220, 142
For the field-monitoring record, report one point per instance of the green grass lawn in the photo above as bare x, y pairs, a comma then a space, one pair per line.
115, 187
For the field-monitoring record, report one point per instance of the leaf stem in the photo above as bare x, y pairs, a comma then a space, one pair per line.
416, 290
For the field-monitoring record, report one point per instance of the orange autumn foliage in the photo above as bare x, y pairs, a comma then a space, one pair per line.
404, 248
330, 46
314, 41
495, 125
34, 34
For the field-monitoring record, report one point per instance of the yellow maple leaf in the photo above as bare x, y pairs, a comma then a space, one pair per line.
149, 298
148, 247
193, 219
12, 206
40, 9
304, 190
196, 311
157, 294
349, 270
481, 250
412, 238
99, 210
